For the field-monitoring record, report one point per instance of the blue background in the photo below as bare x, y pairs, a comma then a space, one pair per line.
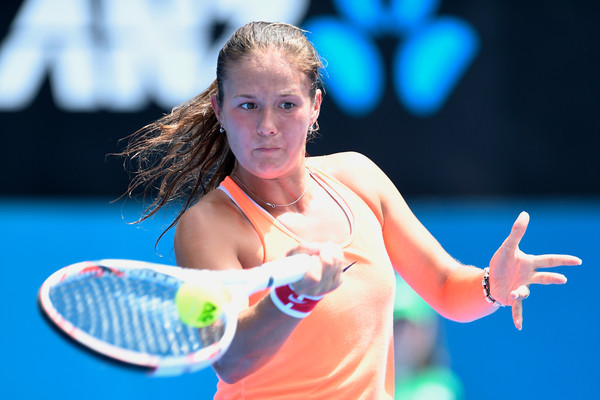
554, 357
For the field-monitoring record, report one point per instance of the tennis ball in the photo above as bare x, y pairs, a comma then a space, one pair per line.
200, 305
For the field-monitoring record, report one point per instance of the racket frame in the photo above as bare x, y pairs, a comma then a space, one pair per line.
239, 284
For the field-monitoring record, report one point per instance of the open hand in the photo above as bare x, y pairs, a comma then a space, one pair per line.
512, 271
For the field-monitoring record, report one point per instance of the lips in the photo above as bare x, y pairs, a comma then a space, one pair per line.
267, 149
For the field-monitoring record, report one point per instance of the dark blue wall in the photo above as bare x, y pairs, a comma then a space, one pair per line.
449, 97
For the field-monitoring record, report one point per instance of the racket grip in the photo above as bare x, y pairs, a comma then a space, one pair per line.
283, 271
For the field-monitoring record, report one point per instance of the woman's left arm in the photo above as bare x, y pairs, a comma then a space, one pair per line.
454, 290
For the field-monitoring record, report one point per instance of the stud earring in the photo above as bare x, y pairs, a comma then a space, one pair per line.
221, 129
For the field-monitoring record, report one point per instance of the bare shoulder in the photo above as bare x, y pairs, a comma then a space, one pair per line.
215, 234
343, 165
357, 172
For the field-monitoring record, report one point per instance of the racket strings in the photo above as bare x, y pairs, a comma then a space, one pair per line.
135, 311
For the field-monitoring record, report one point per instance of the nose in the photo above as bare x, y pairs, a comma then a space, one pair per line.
266, 123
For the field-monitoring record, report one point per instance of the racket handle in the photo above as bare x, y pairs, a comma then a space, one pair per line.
271, 274
285, 270
275, 273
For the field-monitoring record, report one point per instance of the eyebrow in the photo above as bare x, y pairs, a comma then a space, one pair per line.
249, 96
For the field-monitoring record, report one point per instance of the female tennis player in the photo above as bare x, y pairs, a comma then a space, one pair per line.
237, 155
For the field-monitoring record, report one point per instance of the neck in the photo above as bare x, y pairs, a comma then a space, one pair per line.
285, 200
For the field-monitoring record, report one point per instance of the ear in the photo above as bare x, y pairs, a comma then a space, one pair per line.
216, 107
316, 106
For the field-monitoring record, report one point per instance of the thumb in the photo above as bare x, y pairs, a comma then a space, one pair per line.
517, 232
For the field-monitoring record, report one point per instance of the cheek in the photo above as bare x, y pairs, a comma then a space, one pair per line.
236, 139
296, 144
233, 120
236, 130
302, 128
236, 143
301, 136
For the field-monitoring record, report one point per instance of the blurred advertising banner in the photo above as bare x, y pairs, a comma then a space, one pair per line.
453, 98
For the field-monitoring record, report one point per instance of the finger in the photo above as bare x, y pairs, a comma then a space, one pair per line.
517, 313
555, 260
328, 253
521, 293
548, 278
518, 231
330, 258
336, 257
314, 272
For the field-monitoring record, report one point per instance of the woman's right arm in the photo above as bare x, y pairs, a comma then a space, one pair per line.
213, 234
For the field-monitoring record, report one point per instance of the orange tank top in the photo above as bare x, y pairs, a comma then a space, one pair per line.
344, 348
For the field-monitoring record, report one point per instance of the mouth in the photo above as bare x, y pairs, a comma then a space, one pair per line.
267, 149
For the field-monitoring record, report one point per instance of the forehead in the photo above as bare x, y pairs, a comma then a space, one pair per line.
265, 70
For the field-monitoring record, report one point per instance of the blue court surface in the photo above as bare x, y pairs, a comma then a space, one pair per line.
554, 357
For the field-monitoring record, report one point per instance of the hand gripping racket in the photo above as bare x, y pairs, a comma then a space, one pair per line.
125, 310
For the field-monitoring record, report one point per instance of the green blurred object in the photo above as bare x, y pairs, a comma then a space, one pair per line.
410, 306
437, 383
434, 382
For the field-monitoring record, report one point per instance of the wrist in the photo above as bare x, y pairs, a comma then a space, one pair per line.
292, 304
486, 288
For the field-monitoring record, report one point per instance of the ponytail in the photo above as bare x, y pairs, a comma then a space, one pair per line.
179, 157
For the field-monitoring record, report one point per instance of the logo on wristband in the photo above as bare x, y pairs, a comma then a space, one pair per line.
288, 302
296, 299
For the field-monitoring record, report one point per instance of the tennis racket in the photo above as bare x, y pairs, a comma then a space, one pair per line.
125, 310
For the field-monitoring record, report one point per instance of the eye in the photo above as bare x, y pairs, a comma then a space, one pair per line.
248, 106
288, 105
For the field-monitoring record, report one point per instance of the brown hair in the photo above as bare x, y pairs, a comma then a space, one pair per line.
183, 155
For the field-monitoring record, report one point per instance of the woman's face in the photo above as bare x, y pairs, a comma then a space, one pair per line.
266, 112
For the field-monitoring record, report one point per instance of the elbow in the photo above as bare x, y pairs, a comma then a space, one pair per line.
232, 372
228, 378
453, 310
463, 319
227, 375
458, 314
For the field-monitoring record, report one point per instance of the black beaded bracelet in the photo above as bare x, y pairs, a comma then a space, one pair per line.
486, 288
